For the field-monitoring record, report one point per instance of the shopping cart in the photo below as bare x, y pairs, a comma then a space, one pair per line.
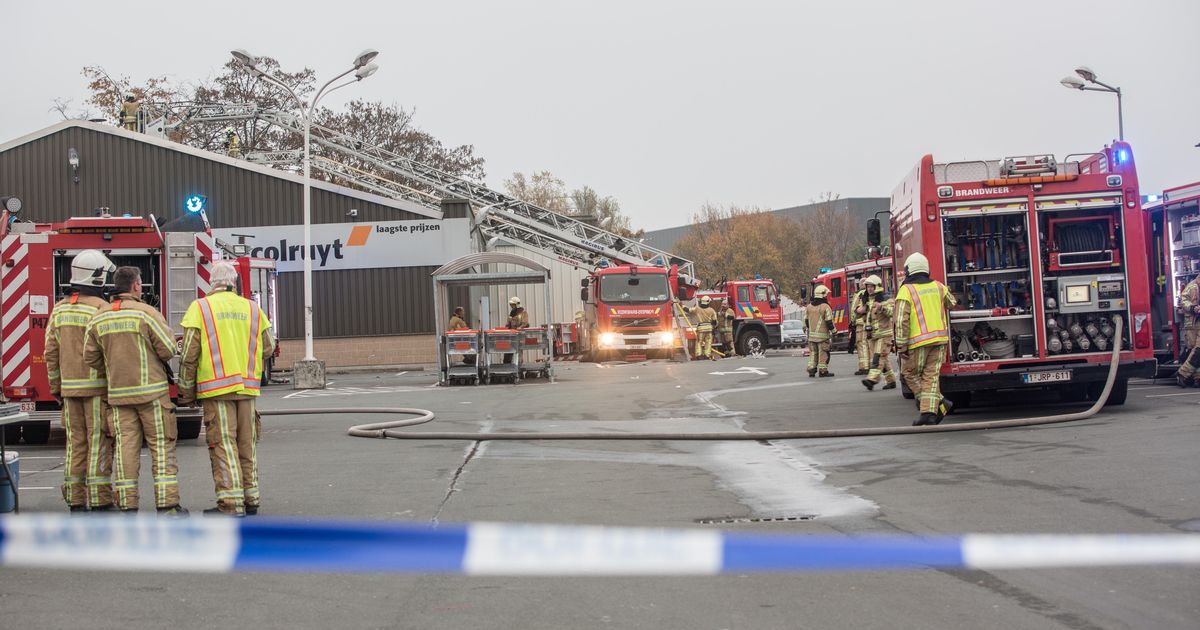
500, 344
464, 344
535, 351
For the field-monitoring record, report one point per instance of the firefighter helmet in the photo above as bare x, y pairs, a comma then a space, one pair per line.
820, 291
514, 301
705, 300
873, 280
89, 268
916, 263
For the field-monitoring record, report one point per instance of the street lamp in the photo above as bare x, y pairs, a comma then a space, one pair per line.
309, 373
1087, 75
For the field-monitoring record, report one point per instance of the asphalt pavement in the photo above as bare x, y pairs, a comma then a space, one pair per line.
1128, 470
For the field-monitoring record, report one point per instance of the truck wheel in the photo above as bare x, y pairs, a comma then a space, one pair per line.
750, 342
36, 432
1119, 393
188, 428
961, 400
905, 391
12, 434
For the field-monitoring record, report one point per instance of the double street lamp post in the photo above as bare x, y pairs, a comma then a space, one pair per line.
1086, 76
309, 373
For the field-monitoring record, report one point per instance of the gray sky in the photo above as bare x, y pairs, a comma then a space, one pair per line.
666, 105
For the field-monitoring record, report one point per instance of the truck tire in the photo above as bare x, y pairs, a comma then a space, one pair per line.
751, 341
36, 432
188, 428
12, 434
1119, 393
961, 400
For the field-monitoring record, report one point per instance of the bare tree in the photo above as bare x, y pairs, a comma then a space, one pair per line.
541, 188
606, 211
837, 239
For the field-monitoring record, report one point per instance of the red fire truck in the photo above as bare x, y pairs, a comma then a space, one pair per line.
629, 311
758, 317
844, 283
1173, 223
1041, 254
35, 263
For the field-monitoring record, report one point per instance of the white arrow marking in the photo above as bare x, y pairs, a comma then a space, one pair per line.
743, 370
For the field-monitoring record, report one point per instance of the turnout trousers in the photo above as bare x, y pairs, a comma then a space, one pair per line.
87, 472
818, 355
881, 364
926, 366
704, 339
231, 432
862, 347
1189, 365
155, 422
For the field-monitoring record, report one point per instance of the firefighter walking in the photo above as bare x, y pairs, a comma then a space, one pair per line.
227, 341
1189, 304
706, 321
725, 316
818, 324
131, 342
81, 389
923, 335
858, 321
880, 314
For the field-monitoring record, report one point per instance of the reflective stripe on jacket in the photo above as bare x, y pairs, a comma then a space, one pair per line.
131, 342
927, 305
234, 344
65, 334
818, 321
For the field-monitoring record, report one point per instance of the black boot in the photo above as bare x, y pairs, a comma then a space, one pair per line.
79, 509
251, 510
173, 511
219, 512
104, 508
825, 374
861, 372
889, 386
869, 384
925, 419
812, 373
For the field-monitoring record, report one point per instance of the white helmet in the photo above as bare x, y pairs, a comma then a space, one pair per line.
704, 300
514, 301
223, 274
873, 280
820, 291
916, 263
89, 268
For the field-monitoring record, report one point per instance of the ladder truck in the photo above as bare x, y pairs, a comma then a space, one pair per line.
633, 290
1041, 254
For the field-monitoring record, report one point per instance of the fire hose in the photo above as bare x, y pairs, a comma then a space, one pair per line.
390, 428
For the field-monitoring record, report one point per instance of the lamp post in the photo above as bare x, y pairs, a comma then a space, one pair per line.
309, 373
1087, 75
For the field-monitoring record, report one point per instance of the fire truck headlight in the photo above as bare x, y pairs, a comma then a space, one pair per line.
665, 338
607, 339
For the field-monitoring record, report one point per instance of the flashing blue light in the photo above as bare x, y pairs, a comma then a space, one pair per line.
758, 276
1122, 156
195, 203
1151, 197
825, 270
126, 215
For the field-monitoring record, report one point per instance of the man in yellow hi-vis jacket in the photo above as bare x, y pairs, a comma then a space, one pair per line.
227, 340
923, 335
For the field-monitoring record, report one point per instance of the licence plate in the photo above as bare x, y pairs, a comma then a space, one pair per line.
28, 407
1058, 376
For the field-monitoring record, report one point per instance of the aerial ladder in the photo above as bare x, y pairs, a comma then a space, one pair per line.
496, 216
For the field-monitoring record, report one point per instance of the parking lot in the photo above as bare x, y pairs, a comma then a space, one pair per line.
1130, 470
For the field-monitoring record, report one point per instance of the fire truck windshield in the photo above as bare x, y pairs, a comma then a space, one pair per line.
627, 288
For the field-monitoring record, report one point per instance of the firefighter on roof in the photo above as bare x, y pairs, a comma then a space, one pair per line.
129, 113
87, 472
227, 341
1189, 303
879, 331
818, 324
923, 335
858, 321
131, 342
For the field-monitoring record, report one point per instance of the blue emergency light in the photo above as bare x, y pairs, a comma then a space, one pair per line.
1122, 156
196, 203
824, 270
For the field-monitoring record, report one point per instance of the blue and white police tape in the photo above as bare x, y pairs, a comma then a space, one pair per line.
262, 544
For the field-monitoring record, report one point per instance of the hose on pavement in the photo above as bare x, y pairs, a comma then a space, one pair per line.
390, 429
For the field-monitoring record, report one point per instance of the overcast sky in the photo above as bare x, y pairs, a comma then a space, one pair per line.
667, 105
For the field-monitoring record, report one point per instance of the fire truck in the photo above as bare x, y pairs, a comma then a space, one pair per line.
758, 317
629, 310
1173, 223
843, 283
35, 261
1041, 254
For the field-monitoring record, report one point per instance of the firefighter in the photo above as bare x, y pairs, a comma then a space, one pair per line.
706, 320
81, 390
1189, 304
457, 321
818, 324
131, 342
858, 321
879, 331
232, 144
227, 340
725, 316
130, 110
923, 335
517, 319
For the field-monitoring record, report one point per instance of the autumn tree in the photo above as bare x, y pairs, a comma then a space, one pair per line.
541, 188
546, 190
836, 237
606, 211
728, 242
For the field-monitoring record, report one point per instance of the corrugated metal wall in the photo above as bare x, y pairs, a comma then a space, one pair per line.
564, 291
141, 178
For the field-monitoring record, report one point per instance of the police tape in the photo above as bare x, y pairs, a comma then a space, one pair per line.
296, 545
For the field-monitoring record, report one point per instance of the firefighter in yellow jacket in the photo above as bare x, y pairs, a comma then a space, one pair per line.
227, 341
131, 342
818, 324
923, 336
87, 482
706, 321
1189, 304
880, 315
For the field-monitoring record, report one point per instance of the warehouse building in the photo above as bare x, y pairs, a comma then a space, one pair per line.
372, 292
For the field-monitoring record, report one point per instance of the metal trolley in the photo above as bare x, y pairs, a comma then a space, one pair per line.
535, 346
497, 344
464, 344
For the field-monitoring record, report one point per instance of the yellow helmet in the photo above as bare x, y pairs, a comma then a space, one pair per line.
916, 263
873, 280
514, 301
820, 291
705, 300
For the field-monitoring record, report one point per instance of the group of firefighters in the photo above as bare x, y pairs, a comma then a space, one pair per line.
107, 356
914, 323
709, 322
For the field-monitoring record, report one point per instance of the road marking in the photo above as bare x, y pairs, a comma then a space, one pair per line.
24, 488
295, 393
743, 370
401, 373
1179, 394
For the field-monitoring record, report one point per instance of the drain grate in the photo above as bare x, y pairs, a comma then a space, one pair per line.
729, 520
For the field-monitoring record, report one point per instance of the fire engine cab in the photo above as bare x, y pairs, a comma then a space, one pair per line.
1041, 255
35, 260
